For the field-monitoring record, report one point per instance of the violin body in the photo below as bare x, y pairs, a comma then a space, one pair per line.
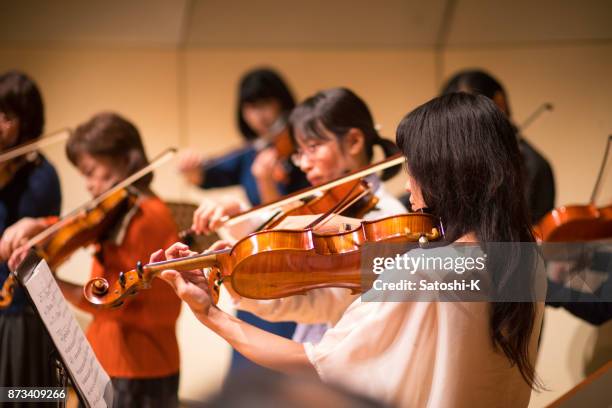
82, 230
88, 223
278, 138
284, 147
357, 191
305, 260
278, 263
86, 228
576, 223
267, 215
579, 222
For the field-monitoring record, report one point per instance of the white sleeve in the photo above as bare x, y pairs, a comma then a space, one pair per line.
324, 305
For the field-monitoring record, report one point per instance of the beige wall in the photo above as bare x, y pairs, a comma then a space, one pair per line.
186, 98
391, 81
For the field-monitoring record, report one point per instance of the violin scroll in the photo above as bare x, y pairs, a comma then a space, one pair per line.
100, 292
6, 292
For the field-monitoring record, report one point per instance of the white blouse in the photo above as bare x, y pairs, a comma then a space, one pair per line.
421, 354
407, 354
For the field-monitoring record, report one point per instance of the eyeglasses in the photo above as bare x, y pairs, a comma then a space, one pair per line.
310, 151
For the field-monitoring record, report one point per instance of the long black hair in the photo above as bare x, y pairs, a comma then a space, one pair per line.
261, 84
339, 110
476, 81
20, 97
462, 152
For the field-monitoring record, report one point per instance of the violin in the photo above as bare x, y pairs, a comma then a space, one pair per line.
576, 223
278, 138
579, 222
310, 200
85, 225
356, 198
273, 264
86, 228
58, 242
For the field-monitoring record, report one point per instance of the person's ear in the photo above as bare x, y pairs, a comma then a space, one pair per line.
354, 142
500, 100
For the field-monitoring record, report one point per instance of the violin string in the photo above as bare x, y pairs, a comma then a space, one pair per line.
348, 204
334, 209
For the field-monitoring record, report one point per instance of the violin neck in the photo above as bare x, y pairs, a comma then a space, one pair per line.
188, 263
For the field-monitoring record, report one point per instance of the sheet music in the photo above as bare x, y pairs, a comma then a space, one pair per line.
78, 357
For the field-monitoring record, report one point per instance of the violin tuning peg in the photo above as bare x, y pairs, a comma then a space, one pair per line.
139, 269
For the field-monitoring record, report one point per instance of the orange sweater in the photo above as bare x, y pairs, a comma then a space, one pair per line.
138, 339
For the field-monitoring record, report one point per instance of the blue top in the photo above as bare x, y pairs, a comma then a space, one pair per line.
33, 192
235, 169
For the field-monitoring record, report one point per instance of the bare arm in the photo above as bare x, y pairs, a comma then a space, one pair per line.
190, 166
259, 346
263, 348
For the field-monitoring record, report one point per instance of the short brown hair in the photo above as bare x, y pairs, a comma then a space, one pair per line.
111, 136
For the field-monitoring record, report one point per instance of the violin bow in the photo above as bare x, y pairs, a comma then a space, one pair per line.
161, 159
601, 171
390, 162
545, 107
49, 139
